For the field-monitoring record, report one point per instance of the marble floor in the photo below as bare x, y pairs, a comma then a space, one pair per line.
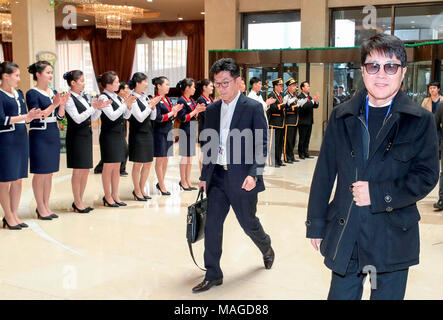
140, 251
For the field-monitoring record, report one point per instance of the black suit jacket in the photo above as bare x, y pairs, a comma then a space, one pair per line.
306, 111
249, 155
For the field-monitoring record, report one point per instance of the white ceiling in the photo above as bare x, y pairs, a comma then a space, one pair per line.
168, 9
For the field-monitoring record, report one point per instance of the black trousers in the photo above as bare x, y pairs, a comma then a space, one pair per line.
384, 286
276, 145
99, 167
440, 191
291, 136
221, 197
304, 137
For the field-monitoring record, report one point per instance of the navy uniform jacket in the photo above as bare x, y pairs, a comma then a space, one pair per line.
183, 114
248, 114
162, 123
401, 168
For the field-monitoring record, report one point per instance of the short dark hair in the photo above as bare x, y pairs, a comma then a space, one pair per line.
106, 78
38, 67
138, 77
386, 45
225, 64
7, 68
254, 80
73, 75
435, 84
303, 84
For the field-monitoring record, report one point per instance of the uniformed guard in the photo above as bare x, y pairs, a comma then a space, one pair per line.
291, 120
276, 120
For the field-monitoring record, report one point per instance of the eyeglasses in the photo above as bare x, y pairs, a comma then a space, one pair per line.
223, 84
390, 68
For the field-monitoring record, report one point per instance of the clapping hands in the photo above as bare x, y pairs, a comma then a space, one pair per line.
100, 104
34, 114
176, 109
154, 101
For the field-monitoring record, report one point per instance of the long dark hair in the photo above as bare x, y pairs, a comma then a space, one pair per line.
185, 83
199, 88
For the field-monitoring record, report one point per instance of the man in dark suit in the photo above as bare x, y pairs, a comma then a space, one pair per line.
306, 119
233, 162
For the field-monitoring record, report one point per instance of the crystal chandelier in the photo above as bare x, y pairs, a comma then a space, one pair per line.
6, 27
5, 21
113, 18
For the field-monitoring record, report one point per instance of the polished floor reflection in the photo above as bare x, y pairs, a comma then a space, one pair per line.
140, 251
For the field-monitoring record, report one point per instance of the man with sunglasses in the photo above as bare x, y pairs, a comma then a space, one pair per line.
382, 148
232, 168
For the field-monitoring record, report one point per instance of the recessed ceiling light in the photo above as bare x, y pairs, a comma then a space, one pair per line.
413, 27
86, 20
412, 21
202, 12
180, 18
149, 0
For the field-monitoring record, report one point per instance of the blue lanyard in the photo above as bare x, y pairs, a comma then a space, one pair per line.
367, 111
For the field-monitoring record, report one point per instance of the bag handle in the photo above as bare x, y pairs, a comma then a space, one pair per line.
200, 194
192, 255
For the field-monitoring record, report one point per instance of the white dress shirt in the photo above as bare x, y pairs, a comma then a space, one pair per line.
257, 97
71, 109
110, 112
226, 113
137, 113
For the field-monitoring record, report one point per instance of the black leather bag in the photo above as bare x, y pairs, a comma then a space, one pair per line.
196, 221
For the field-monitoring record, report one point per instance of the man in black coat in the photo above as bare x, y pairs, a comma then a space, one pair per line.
307, 104
439, 123
233, 163
291, 121
382, 148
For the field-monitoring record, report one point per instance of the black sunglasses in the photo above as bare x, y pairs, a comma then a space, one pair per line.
390, 68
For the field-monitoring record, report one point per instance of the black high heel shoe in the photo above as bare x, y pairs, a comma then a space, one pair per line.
42, 218
137, 198
78, 210
167, 193
23, 225
54, 216
146, 197
6, 224
107, 204
121, 204
181, 186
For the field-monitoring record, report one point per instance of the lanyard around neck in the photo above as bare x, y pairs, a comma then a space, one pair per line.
367, 111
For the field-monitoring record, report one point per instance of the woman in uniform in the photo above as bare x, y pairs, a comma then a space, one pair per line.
14, 147
112, 136
141, 134
79, 136
204, 91
44, 136
188, 124
166, 113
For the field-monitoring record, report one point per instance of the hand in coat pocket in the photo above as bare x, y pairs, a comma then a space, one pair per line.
360, 191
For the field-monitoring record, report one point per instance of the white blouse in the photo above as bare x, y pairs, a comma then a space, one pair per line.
137, 113
110, 112
71, 109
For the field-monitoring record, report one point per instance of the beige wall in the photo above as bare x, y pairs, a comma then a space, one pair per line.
33, 30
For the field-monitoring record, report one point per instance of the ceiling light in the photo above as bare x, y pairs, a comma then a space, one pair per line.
86, 20
412, 21
202, 12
